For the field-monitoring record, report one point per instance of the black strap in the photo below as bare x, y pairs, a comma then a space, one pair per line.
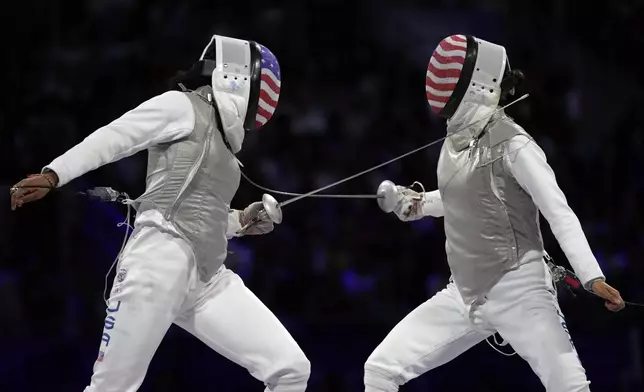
464, 80
220, 128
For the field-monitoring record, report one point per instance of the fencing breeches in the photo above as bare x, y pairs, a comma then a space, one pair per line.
157, 285
522, 307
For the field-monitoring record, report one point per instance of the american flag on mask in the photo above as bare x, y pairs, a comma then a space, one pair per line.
269, 93
444, 69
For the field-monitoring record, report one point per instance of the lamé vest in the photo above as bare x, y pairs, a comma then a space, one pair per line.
198, 178
490, 221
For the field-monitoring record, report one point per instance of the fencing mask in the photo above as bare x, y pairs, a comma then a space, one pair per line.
464, 83
246, 82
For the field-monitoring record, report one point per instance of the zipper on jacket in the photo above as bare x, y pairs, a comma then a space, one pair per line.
191, 175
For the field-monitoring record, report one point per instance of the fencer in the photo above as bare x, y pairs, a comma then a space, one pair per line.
493, 180
171, 270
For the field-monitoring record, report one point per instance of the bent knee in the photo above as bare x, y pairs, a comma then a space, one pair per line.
381, 368
382, 363
381, 375
300, 367
292, 368
377, 379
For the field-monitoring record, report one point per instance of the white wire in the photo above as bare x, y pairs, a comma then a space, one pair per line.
128, 202
299, 196
324, 195
128, 229
317, 191
487, 340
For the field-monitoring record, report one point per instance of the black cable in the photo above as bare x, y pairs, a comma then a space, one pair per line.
560, 274
105, 194
569, 280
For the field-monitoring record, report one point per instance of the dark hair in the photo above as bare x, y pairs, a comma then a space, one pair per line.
512, 79
192, 78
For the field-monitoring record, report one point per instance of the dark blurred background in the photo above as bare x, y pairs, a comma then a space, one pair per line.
339, 273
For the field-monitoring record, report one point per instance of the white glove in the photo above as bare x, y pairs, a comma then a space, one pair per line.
410, 204
261, 223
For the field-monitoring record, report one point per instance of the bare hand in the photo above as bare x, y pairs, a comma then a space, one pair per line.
32, 188
614, 301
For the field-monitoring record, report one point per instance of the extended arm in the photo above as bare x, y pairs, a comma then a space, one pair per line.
527, 163
164, 118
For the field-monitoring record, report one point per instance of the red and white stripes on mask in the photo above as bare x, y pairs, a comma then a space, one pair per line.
271, 83
444, 70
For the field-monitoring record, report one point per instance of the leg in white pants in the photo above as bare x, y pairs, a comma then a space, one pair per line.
525, 311
431, 335
141, 308
160, 287
230, 319
522, 307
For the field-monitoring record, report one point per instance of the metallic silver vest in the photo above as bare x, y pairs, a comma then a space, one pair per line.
200, 176
490, 221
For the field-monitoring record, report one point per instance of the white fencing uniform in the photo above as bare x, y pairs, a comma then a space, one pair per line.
500, 281
171, 269
521, 307
160, 287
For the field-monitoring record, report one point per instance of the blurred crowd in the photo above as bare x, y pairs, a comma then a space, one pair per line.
338, 273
